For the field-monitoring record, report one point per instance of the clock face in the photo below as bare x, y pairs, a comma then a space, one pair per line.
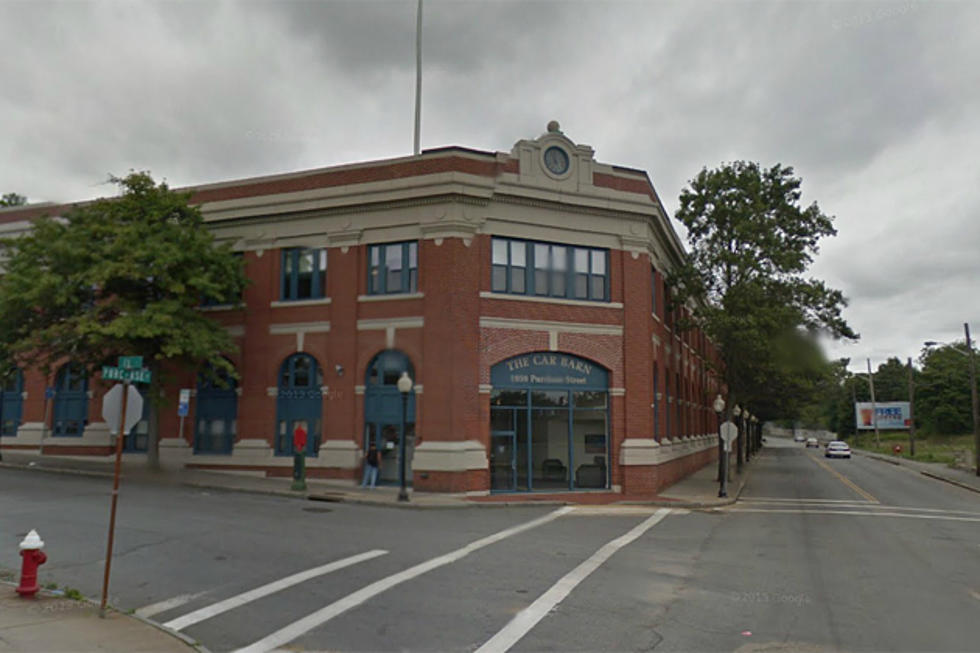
556, 160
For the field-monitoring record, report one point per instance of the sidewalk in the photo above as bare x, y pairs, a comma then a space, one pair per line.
699, 490
55, 623
939, 471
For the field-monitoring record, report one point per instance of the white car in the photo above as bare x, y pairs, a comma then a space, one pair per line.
838, 449
812, 442
798, 438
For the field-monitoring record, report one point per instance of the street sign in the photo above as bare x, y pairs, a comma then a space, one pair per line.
112, 406
728, 434
130, 362
183, 404
121, 374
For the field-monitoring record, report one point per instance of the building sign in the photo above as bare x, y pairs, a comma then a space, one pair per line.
891, 415
549, 369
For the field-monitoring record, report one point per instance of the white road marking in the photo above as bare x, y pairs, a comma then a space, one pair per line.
215, 609
169, 604
788, 500
527, 618
309, 622
859, 504
878, 513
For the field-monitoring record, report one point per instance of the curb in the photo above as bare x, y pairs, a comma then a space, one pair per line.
189, 641
56, 470
938, 477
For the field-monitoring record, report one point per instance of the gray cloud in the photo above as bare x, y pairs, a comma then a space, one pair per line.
874, 103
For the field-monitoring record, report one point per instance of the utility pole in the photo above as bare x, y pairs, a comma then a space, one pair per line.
854, 403
973, 396
874, 408
911, 412
418, 76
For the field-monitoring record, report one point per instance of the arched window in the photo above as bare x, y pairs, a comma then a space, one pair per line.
299, 403
70, 401
383, 405
11, 401
216, 415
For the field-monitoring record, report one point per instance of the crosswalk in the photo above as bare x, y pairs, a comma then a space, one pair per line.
510, 630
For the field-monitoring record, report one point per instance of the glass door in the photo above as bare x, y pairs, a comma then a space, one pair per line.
503, 462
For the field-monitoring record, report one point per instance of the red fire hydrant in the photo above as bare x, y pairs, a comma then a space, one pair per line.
30, 551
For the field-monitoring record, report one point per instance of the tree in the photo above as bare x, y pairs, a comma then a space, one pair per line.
942, 392
750, 245
892, 381
118, 276
12, 199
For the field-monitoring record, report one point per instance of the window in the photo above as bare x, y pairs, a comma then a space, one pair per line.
549, 270
304, 273
393, 268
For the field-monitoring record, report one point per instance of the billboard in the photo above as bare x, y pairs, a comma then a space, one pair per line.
891, 415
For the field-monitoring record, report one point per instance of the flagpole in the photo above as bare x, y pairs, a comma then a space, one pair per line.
418, 76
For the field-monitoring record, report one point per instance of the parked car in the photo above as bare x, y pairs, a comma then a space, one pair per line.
837, 449
812, 442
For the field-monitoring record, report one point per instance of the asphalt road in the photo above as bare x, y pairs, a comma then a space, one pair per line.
819, 555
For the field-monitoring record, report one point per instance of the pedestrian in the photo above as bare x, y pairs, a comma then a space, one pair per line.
372, 460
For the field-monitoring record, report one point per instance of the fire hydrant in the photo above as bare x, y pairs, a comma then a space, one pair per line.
30, 551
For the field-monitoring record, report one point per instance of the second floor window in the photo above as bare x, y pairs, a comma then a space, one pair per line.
304, 273
549, 270
393, 268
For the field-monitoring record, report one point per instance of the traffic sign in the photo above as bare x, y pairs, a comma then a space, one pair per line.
728, 434
112, 406
183, 404
130, 362
132, 375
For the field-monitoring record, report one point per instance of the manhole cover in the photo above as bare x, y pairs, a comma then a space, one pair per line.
317, 509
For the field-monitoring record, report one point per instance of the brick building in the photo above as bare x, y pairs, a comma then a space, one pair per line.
522, 292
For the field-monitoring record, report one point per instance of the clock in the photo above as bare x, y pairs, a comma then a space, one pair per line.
556, 160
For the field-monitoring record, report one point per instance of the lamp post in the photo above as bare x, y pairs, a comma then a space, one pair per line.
404, 387
719, 406
748, 434
975, 405
737, 413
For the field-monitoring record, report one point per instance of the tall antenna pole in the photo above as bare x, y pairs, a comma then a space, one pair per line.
418, 76
874, 407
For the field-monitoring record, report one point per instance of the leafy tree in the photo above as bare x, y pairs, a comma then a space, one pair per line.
892, 381
12, 199
118, 276
750, 245
942, 392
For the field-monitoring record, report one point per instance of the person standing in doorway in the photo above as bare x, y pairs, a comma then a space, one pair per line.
372, 460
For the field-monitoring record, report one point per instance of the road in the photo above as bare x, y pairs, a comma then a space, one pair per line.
818, 555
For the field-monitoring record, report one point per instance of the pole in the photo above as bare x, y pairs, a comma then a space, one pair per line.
854, 403
874, 409
738, 447
418, 76
402, 492
973, 396
911, 412
723, 490
115, 498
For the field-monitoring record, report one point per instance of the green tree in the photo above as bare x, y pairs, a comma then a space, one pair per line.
751, 244
118, 276
892, 381
942, 391
12, 199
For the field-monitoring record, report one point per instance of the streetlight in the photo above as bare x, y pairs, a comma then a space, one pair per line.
404, 387
719, 406
973, 390
737, 411
748, 434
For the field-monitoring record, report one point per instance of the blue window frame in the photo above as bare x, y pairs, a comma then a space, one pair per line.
393, 268
304, 274
70, 401
300, 401
11, 402
524, 267
216, 415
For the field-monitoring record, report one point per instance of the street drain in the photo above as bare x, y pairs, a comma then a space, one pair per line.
317, 509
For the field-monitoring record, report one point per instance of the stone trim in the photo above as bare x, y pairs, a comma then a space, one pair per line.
485, 294
381, 324
617, 392
436, 456
390, 297
321, 301
545, 325
647, 451
299, 327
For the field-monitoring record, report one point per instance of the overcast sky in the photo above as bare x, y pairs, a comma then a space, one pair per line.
875, 104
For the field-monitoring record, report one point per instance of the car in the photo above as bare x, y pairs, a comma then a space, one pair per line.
837, 449
798, 438
812, 442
